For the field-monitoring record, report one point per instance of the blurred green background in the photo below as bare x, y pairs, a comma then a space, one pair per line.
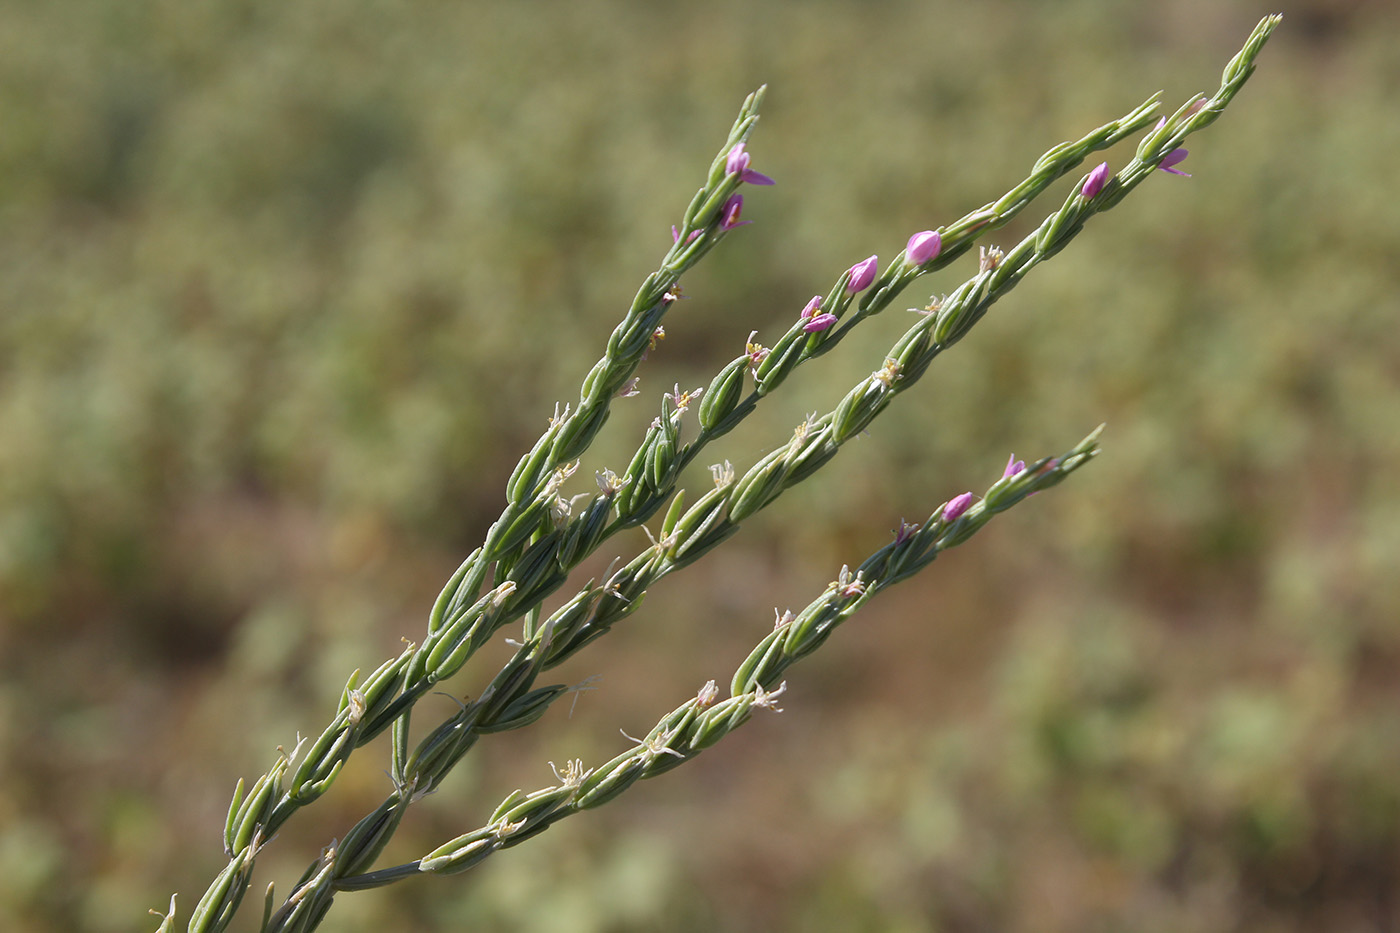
285, 290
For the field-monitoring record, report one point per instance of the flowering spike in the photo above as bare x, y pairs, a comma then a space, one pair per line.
923, 247
862, 274
1171, 159
1095, 182
729, 217
955, 507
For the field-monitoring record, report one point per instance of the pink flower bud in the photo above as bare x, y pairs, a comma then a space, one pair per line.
819, 323
862, 274
1095, 182
955, 507
1014, 467
923, 247
812, 307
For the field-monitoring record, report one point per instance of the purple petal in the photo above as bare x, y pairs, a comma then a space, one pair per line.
1014, 467
1173, 158
756, 178
812, 307
737, 161
1095, 182
819, 323
862, 274
923, 247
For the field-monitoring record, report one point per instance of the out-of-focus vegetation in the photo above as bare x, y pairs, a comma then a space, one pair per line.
286, 288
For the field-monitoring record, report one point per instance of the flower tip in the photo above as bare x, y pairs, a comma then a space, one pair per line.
757, 178
1094, 183
923, 247
1014, 467
862, 274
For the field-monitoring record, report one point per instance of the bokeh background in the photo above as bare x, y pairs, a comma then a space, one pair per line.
285, 290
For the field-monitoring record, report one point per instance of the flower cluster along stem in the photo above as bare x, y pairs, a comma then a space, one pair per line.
540, 537
703, 720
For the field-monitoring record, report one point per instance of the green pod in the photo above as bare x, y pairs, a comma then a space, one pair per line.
585, 532
609, 781
699, 519
530, 521
759, 486
720, 720
461, 853
254, 810
578, 432
524, 710
534, 807
817, 451
662, 462
781, 360
722, 397
454, 637
442, 748
530, 471
330, 739
719, 193
856, 410
215, 909
912, 345
636, 470
758, 660
362, 845
233, 811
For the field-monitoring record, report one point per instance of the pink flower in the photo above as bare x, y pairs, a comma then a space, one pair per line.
1171, 159
737, 163
1095, 182
729, 217
1014, 467
862, 274
812, 307
923, 247
676, 235
819, 323
954, 508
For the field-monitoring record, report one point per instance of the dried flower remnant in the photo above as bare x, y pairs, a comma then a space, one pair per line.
755, 351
